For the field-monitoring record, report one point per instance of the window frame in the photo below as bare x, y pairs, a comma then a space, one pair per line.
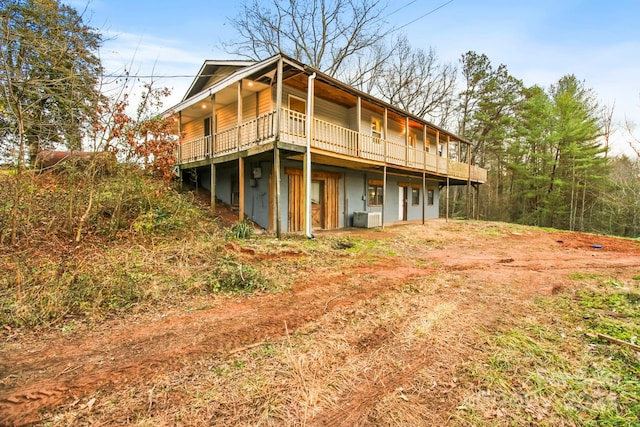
375, 197
431, 195
376, 127
415, 195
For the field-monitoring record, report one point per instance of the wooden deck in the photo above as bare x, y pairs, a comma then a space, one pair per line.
327, 138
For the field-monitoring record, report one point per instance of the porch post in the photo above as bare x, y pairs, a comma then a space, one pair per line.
278, 100
212, 210
180, 141
358, 123
478, 202
438, 153
214, 126
424, 194
468, 205
384, 125
241, 188
276, 150
239, 115
276, 170
447, 199
426, 146
384, 192
406, 141
307, 157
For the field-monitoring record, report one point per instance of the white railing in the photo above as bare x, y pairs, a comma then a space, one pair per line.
327, 137
371, 147
195, 149
334, 138
292, 127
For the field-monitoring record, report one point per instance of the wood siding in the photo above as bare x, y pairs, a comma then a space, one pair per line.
331, 201
265, 103
193, 129
324, 110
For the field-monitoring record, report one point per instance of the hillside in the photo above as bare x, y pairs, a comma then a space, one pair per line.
448, 323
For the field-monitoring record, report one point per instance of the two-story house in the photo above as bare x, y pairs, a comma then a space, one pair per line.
295, 150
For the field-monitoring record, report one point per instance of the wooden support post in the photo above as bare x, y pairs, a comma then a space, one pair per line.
358, 123
278, 117
468, 204
424, 196
384, 192
308, 226
345, 201
478, 202
276, 171
239, 116
447, 199
385, 119
406, 141
276, 149
214, 126
180, 141
241, 188
212, 210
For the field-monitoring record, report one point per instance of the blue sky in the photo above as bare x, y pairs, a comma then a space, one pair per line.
538, 40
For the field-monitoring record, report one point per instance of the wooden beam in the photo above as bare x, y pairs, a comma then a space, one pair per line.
468, 204
384, 192
239, 114
241, 188
424, 196
406, 141
276, 169
385, 120
212, 210
277, 124
214, 125
447, 200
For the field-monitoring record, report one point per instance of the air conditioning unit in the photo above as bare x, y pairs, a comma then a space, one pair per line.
367, 219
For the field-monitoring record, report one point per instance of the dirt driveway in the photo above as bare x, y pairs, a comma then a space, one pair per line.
353, 334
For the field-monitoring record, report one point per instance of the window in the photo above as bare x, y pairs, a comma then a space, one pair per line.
415, 195
315, 192
430, 195
297, 104
376, 127
298, 108
375, 192
412, 139
207, 126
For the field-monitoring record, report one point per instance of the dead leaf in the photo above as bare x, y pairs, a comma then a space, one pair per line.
91, 403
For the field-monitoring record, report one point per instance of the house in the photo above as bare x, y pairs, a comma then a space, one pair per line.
296, 150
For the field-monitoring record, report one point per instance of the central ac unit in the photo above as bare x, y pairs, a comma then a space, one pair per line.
367, 219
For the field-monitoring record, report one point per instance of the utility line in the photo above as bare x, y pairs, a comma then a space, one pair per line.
422, 16
177, 76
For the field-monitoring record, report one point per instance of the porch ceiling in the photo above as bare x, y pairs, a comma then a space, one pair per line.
324, 91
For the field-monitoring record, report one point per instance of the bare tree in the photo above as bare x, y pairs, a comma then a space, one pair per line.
607, 126
321, 33
413, 79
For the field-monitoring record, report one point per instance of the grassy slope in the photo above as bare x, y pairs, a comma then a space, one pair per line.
145, 244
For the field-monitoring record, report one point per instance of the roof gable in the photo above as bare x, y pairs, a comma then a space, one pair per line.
213, 71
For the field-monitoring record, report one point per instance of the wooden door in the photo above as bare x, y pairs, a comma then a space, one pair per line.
324, 195
317, 204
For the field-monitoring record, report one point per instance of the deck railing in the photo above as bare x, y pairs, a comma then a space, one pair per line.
327, 137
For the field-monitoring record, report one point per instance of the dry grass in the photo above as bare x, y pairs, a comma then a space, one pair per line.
550, 370
379, 357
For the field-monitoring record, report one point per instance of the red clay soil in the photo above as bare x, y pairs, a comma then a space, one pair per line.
47, 372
